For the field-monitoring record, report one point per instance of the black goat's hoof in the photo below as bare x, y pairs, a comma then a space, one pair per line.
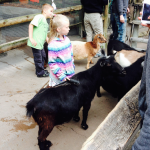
48, 143
76, 119
84, 126
45, 145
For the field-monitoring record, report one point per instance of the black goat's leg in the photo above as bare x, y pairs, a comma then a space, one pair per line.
40, 130
44, 144
46, 125
76, 117
47, 143
98, 92
85, 115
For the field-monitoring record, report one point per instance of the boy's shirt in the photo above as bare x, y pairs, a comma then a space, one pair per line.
40, 30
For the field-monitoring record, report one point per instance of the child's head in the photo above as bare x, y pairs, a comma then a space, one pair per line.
47, 10
59, 26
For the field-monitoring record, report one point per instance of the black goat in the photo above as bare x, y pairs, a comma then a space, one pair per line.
117, 46
118, 86
60, 104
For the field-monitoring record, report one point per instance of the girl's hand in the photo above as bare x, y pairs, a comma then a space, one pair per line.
121, 19
66, 79
47, 39
144, 24
34, 43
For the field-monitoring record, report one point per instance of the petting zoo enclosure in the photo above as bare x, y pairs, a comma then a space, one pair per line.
15, 16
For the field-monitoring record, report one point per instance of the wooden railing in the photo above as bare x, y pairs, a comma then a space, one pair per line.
22, 19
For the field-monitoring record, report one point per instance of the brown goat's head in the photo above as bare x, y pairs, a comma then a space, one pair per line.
100, 38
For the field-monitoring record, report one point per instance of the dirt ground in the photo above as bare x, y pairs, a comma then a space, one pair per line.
18, 85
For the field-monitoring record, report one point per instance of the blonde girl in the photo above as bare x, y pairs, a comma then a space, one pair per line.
60, 54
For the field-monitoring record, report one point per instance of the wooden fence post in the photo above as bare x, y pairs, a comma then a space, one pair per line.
106, 22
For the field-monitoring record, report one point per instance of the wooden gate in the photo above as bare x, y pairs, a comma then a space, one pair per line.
133, 23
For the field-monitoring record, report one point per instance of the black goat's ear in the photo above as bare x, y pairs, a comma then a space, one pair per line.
108, 64
103, 52
114, 52
102, 64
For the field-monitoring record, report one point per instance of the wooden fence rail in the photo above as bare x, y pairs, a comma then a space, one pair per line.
22, 19
27, 18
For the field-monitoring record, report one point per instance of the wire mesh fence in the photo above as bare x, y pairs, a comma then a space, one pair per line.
15, 8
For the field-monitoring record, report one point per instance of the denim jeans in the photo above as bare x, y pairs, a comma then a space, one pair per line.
119, 29
143, 141
39, 58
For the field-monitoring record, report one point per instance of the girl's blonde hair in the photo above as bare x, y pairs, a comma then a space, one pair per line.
46, 6
55, 23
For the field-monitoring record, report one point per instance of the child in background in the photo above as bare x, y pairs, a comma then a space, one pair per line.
37, 35
60, 53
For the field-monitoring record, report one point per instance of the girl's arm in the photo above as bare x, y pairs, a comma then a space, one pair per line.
31, 35
47, 39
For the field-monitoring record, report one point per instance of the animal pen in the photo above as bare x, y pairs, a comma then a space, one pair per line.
118, 128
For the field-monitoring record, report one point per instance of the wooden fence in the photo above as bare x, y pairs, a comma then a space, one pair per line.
22, 19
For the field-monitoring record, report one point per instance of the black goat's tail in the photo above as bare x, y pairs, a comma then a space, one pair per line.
31, 105
30, 108
103, 52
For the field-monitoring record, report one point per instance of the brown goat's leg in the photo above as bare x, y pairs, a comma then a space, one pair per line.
46, 125
89, 60
87, 67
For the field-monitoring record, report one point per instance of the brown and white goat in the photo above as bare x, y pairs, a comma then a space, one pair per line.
82, 50
127, 57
